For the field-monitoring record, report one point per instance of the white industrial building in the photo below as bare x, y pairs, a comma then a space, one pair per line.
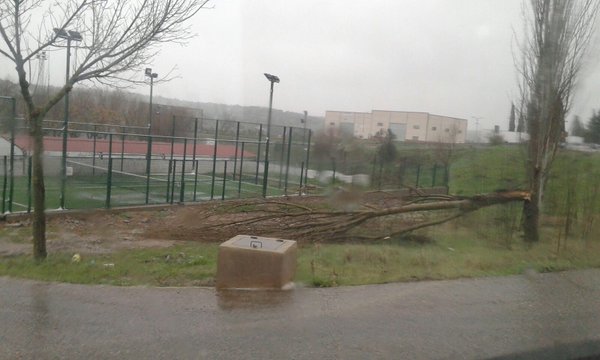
405, 125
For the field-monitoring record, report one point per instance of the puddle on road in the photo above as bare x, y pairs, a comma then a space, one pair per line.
237, 299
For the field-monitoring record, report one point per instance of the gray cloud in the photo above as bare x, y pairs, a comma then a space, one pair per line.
445, 57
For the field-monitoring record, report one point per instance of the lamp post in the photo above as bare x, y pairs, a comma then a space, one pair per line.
148, 73
272, 79
68, 35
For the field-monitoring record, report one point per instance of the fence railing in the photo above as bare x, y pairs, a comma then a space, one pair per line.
105, 166
124, 166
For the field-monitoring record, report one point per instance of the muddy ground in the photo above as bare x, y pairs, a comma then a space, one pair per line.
102, 231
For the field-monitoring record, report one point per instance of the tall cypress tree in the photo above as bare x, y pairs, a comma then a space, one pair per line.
593, 129
511, 121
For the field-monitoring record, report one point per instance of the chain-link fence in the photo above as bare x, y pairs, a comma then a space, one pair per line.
8, 156
111, 165
185, 160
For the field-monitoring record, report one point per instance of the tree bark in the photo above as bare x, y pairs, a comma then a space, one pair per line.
39, 196
531, 221
309, 224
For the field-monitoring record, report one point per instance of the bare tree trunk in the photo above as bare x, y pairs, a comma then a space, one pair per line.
116, 37
313, 224
531, 211
39, 198
559, 32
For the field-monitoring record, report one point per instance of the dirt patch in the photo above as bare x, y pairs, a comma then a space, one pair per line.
108, 231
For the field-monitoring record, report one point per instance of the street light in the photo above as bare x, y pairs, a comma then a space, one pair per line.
148, 73
272, 79
68, 35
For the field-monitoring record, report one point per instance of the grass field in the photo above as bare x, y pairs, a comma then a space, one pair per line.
456, 252
485, 243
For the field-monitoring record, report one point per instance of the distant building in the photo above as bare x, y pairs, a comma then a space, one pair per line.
405, 125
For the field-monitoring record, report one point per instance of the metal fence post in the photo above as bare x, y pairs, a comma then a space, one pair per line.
109, 176
258, 152
433, 175
169, 180
194, 162
282, 154
182, 187
122, 149
307, 157
214, 165
301, 178
266, 172
237, 139
4, 183
224, 180
418, 175
94, 152
148, 167
29, 173
11, 190
173, 181
287, 163
171, 163
241, 170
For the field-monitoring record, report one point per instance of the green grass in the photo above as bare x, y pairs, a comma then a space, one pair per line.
484, 243
451, 256
456, 252
177, 265
90, 192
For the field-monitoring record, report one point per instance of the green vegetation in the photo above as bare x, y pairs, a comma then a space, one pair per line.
173, 266
485, 243
454, 252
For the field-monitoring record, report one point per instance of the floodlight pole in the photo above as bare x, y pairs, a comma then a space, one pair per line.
69, 36
272, 79
148, 73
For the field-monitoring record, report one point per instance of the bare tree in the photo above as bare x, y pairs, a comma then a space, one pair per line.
558, 32
117, 37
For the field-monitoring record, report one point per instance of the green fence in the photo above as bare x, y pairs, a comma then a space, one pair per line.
113, 166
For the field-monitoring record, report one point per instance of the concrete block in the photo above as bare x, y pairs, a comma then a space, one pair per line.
246, 261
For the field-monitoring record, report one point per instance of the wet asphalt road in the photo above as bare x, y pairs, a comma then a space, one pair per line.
534, 316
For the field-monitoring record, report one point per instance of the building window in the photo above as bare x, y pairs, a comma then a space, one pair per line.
433, 128
415, 138
460, 131
332, 123
447, 130
416, 127
379, 124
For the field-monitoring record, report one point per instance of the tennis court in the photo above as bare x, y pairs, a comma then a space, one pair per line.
95, 167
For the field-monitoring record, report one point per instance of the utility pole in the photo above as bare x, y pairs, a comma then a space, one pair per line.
272, 79
69, 36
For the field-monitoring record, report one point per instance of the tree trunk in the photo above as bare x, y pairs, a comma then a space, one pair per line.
531, 220
532, 207
39, 198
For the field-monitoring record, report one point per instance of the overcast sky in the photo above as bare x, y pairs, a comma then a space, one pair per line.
445, 57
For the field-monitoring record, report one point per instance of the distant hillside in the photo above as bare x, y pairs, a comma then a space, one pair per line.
118, 107
251, 114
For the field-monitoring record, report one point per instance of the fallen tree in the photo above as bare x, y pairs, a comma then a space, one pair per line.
314, 223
